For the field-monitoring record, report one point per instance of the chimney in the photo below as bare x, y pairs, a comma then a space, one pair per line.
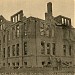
49, 8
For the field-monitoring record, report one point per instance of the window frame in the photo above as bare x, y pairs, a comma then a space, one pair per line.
25, 48
17, 49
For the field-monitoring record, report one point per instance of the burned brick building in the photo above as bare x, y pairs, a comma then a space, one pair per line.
46, 46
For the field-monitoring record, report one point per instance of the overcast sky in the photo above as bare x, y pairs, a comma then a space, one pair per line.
37, 8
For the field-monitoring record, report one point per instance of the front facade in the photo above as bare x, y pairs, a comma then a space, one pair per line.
46, 46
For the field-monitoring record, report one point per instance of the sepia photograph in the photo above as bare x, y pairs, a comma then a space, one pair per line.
37, 37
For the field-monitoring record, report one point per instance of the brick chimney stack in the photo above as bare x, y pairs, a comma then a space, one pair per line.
49, 8
49, 14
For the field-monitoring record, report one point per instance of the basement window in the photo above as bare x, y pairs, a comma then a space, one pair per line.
8, 64
13, 64
3, 38
25, 63
49, 63
17, 63
43, 63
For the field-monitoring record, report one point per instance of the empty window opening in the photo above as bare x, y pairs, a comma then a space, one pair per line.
8, 51
53, 48
17, 31
13, 50
70, 50
3, 64
8, 64
3, 38
13, 64
43, 63
64, 49
65, 21
17, 50
42, 47
8, 35
48, 48
3, 52
13, 32
25, 63
25, 48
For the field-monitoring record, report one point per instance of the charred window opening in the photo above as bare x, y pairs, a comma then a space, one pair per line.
70, 49
64, 49
13, 50
48, 48
17, 31
42, 47
8, 51
53, 48
42, 32
3, 38
8, 35
17, 50
13, 32
3, 52
25, 48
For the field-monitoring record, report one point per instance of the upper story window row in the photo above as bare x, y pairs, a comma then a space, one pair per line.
11, 51
45, 30
14, 32
65, 50
47, 48
66, 21
50, 48
17, 17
